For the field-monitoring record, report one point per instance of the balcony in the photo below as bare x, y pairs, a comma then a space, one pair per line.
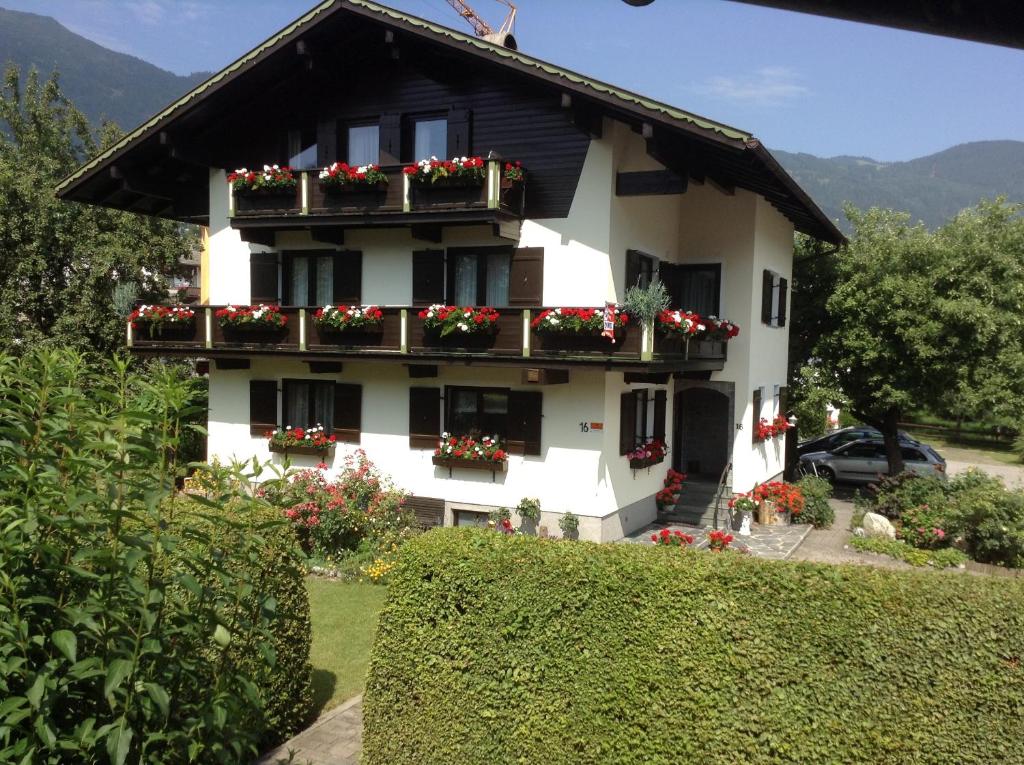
402, 337
396, 203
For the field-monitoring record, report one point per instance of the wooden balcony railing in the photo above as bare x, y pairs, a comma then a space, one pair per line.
402, 335
396, 197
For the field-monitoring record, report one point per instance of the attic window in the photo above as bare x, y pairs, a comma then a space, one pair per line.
430, 139
302, 148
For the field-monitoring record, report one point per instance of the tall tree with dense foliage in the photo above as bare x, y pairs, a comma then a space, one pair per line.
60, 262
921, 319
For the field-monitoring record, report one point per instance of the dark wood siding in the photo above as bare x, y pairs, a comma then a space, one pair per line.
526, 277
348, 412
424, 417
262, 406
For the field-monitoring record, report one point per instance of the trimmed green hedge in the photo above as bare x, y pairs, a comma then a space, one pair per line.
496, 649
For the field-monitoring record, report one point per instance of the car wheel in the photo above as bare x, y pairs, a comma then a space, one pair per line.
827, 473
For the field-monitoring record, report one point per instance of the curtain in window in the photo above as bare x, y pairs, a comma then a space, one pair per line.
498, 264
325, 280
431, 139
298, 290
364, 145
698, 292
462, 412
323, 405
465, 280
296, 406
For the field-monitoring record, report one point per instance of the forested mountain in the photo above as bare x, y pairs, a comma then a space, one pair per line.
931, 188
102, 83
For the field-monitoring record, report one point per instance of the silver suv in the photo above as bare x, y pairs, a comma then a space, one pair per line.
864, 460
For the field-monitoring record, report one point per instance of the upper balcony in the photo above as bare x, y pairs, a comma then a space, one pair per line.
401, 336
399, 202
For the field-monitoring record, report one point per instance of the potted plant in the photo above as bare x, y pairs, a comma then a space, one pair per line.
569, 523
719, 330
719, 541
354, 322
744, 505
301, 440
667, 497
529, 512
578, 329
645, 455
512, 174
259, 323
779, 501
271, 188
672, 538
679, 324
177, 321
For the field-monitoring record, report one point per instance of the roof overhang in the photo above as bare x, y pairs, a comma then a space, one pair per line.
737, 155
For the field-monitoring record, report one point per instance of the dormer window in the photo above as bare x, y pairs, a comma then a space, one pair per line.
302, 148
430, 138
363, 145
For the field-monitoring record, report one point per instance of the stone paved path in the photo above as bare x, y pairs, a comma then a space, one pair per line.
774, 542
335, 739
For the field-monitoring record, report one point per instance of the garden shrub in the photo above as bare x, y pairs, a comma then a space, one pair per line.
988, 518
892, 495
817, 510
512, 649
945, 557
925, 527
126, 635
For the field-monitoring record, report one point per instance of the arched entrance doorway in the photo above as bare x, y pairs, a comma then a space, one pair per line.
701, 433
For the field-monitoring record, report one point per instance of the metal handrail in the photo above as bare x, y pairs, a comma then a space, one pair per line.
721, 490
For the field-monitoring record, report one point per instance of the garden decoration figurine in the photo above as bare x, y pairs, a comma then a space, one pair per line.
745, 505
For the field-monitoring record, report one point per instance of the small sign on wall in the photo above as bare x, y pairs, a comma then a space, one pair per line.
586, 427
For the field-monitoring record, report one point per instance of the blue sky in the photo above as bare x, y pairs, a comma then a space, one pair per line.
800, 83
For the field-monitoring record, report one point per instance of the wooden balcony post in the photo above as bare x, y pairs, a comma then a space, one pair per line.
493, 183
302, 329
208, 320
406, 202
304, 179
647, 342
526, 332
231, 201
130, 339
404, 318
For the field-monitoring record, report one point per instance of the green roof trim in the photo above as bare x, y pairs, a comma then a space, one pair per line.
636, 99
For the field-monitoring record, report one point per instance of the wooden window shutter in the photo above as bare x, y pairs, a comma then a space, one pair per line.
660, 414
627, 422
427, 277
391, 139
428, 511
348, 412
348, 278
424, 417
783, 400
263, 278
767, 286
525, 411
327, 142
262, 406
757, 415
526, 277
632, 269
458, 133
783, 289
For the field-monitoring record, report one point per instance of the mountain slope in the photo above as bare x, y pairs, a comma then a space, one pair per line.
932, 188
102, 83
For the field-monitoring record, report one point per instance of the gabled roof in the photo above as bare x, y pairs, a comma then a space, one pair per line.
775, 184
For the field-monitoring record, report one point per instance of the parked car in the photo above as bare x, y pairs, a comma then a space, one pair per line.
864, 460
837, 438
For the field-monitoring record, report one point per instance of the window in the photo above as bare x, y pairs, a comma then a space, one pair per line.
774, 292
912, 455
302, 148
307, 403
699, 288
310, 280
868, 451
479, 278
636, 425
363, 145
430, 138
640, 269
471, 518
477, 412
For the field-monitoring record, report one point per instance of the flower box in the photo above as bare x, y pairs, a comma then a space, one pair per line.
645, 462
272, 188
265, 201
494, 466
314, 450
461, 326
175, 322
447, 194
337, 319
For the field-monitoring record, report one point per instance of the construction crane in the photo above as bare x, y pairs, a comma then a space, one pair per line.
504, 36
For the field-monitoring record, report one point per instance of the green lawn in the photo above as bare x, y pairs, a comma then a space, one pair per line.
344, 616
967, 449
